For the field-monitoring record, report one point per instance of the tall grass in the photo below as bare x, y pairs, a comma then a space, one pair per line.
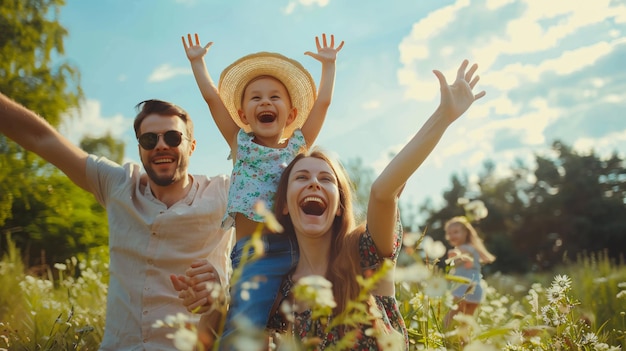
596, 281
64, 308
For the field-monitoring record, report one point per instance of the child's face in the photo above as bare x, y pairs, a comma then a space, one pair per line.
456, 234
266, 107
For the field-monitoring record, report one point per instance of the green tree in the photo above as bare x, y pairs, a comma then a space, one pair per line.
362, 178
576, 205
44, 212
30, 36
437, 217
106, 145
506, 201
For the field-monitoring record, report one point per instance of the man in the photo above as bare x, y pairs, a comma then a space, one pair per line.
161, 221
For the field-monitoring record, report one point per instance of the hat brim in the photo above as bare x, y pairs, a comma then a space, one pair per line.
298, 81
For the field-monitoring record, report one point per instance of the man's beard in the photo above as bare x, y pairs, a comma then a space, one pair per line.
160, 181
165, 180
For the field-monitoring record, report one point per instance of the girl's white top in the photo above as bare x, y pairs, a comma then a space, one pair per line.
256, 173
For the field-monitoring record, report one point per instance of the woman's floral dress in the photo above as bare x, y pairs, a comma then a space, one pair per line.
387, 306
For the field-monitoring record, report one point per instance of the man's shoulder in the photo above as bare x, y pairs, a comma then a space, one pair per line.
100, 167
220, 181
203, 178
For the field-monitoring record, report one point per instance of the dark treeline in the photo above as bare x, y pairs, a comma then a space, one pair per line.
568, 204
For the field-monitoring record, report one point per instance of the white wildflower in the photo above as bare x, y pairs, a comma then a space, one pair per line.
245, 295
178, 320
410, 239
562, 281
287, 311
433, 249
476, 209
535, 340
589, 339
158, 324
436, 286
391, 340
555, 293
479, 346
315, 290
416, 273
516, 337
184, 339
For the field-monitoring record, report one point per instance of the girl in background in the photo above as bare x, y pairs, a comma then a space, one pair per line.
466, 257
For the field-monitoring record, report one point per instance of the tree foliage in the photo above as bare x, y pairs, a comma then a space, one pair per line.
362, 178
31, 40
106, 145
48, 216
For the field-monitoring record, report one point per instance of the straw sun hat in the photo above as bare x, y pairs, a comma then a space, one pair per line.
298, 81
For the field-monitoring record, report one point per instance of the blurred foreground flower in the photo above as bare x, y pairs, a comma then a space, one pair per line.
316, 291
268, 217
475, 210
436, 286
184, 339
415, 273
433, 249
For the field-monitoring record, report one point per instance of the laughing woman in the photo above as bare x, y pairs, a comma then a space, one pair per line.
313, 203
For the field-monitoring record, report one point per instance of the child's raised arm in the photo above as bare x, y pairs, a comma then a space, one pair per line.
326, 54
455, 100
195, 54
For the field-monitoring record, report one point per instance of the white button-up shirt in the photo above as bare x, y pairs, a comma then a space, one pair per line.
147, 243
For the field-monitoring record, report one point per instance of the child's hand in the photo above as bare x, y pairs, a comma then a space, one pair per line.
458, 97
453, 253
326, 53
195, 51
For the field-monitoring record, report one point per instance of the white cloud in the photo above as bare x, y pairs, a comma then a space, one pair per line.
541, 27
320, 3
371, 105
88, 121
291, 6
604, 146
574, 60
495, 4
546, 39
614, 98
165, 72
416, 45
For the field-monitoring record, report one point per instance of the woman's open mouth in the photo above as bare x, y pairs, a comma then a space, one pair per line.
313, 205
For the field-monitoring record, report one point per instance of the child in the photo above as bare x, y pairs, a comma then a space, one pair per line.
468, 254
266, 109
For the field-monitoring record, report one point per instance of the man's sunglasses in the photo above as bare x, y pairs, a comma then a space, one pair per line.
149, 141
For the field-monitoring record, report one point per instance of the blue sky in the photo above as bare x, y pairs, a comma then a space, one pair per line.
551, 70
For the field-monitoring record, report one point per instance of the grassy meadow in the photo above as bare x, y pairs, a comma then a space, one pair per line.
580, 306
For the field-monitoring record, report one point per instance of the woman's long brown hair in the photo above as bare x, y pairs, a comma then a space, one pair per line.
343, 262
